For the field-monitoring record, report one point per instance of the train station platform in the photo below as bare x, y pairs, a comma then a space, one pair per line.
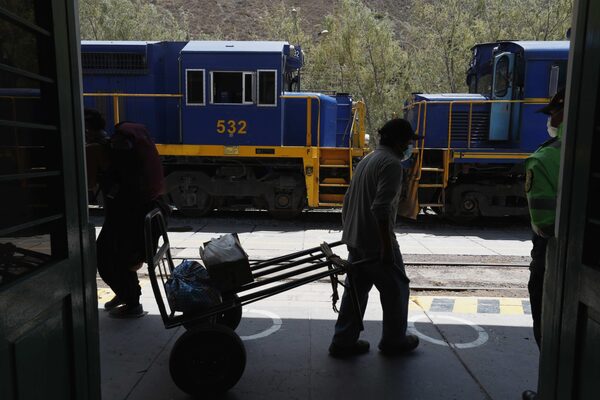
263, 237
471, 348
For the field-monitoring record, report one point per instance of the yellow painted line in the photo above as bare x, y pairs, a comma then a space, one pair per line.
469, 305
423, 302
511, 306
309, 122
465, 305
104, 295
132, 95
243, 151
459, 154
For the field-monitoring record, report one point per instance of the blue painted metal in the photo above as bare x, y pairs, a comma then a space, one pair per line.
500, 114
533, 63
173, 121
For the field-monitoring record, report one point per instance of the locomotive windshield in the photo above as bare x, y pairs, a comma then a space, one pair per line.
502, 77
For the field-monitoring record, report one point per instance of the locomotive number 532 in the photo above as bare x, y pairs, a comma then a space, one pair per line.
231, 127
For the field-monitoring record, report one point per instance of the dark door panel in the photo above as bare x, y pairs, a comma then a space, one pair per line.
48, 310
570, 359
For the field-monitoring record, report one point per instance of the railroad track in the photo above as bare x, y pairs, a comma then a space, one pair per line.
465, 264
434, 287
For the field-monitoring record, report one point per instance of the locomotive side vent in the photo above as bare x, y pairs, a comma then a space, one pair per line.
480, 126
114, 63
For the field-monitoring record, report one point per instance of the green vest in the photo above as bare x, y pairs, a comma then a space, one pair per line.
541, 185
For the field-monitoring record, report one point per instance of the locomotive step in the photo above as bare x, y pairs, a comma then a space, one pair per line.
431, 185
431, 205
334, 166
428, 169
334, 185
330, 204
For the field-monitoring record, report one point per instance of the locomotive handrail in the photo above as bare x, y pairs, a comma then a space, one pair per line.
422, 110
115, 97
470, 102
132, 95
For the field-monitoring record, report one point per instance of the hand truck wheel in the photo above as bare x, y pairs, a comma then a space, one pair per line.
207, 360
230, 318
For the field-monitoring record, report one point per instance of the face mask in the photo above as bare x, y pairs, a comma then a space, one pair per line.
407, 153
552, 131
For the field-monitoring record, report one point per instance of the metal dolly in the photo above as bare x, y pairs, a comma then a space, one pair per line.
210, 358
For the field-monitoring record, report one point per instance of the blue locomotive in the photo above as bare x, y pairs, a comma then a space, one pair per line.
472, 146
229, 121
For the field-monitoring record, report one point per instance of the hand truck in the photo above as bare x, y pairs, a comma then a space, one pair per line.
210, 358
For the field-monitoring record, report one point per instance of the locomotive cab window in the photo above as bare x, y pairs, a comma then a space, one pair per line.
501, 79
267, 88
553, 84
194, 79
232, 87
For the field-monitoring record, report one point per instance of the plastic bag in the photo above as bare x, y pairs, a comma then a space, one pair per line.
227, 262
189, 288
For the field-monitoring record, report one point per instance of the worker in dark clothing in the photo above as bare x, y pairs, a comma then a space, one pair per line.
97, 152
133, 187
541, 186
368, 219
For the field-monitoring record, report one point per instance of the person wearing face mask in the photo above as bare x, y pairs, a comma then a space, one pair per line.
368, 218
541, 186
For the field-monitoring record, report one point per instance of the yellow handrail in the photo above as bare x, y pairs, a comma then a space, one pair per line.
533, 101
116, 96
423, 104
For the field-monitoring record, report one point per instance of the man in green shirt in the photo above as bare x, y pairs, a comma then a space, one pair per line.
541, 187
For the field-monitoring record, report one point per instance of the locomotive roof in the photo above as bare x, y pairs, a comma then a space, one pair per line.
234, 46
118, 42
450, 96
534, 49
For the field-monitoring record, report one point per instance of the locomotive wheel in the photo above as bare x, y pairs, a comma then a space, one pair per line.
207, 360
230, 318
204, 205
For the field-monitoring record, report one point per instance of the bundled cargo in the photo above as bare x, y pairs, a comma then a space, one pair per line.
227, 262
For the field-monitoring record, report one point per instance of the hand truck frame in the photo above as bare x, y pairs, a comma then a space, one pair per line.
210, 357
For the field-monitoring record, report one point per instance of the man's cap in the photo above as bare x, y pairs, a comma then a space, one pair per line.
398, 127
556, 103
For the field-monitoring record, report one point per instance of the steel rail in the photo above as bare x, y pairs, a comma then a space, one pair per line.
424, 288
465, 264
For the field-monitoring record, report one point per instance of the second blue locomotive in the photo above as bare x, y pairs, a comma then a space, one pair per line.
472, 146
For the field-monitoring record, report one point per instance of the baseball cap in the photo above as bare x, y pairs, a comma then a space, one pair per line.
398, 128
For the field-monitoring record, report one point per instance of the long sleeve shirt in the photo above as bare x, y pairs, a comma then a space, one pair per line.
373, 196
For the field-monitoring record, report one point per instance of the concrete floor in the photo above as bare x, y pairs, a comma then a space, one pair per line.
478, 355
470, 348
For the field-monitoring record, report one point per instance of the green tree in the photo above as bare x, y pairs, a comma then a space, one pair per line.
130, 20
523, 19
440, 37
361, 55
441, 33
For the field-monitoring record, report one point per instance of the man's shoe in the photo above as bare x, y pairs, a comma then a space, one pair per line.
127, 311
360, 347
113, 303
529, 395
409, 343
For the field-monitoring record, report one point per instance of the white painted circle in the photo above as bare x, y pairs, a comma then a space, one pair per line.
482, 335
269, 331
